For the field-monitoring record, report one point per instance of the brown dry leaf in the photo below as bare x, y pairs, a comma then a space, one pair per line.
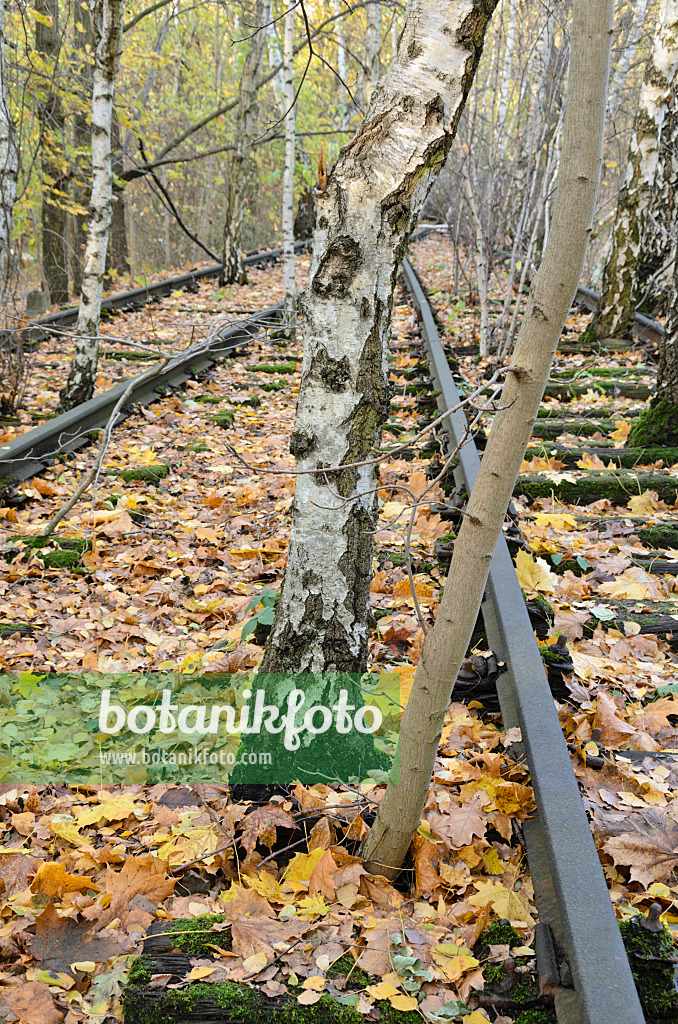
140, 876
403, 589
651, 852
52, 879
571, 622
251, 935
425, 852
123, 524
381, 893
461, 824
589, 461
31, 1003
322, 877
322, 835
59, 942
16, 871
654, 717
260, 826
614, 730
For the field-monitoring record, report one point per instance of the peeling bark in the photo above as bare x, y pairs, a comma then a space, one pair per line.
9, 167
364, 220
80, 384
551, 294
619, 293
239, 171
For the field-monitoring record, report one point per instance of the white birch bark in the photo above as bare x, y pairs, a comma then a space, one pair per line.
551, 294
275, 61
618, 302
288, 175
79, 387
506, 72
628, 53
364, 218
341, 64
372, 52
238, 175
9, 167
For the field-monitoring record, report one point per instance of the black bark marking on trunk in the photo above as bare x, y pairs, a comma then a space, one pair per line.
338, 267
335, 374
302, 443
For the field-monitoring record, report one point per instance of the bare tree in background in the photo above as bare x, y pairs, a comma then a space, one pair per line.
80, 384
9, 167
288, 175
239, 169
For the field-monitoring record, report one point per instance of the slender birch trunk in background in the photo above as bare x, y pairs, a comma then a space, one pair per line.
80, 384
619, 295
365, 216
549, 303
481, 262
54, 219
628, 52
506, 73
372, 53
238, 174
9, 168
288, 176
341, 65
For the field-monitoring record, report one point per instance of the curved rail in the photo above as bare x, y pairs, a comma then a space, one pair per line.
138, 297
570, 888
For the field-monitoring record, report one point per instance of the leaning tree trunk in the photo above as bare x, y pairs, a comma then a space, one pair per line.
619, 294
80, 384
239, 170
549, 303
9, 168
54, 177
660, 227
288, 175
365, 215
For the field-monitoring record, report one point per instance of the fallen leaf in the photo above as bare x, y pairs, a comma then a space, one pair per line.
60, 941
31, 1003
260, 826
53, 880
534, 576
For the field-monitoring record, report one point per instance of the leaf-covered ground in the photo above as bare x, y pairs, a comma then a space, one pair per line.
86, 871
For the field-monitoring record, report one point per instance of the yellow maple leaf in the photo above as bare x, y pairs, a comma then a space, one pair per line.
111, 808
534, 575
625, 588
506, 902
477, 1017
558, 520
63, 826
589, 461
643, 504
622, 432
300, 867
313, 906
403, 589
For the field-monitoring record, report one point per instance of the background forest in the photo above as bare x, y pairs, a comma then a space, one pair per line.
175, 124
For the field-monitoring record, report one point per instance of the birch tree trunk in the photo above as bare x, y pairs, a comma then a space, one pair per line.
628, 53
364, 218
616, 313
341, 65
549, 303
506, 73
239, 170
288, 176
84, 46
80, 384
52, 122
372, 48
9, 168
660, 227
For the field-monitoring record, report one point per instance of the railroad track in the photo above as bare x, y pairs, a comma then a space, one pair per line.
135, 298
570, 887
31, 452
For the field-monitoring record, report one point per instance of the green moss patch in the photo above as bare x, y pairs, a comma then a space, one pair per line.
650, 955
274, 385
498, 933
656, 425
289, 367
659, 537
193, 935
617, 488
625, 458
146, 474
223, 419
579, 427
60, 559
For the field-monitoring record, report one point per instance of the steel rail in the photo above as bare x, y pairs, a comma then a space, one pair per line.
569, 884
137, 297
30, 453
